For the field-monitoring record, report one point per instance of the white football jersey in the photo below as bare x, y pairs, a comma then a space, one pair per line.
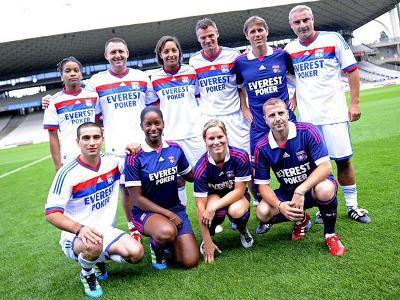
177, 94
65, 113
87, 195
121, 99
318, 66
217, 82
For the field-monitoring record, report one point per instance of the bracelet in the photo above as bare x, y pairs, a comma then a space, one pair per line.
173, 218
79, 230
279, 205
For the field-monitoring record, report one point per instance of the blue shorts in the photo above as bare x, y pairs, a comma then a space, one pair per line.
140, 218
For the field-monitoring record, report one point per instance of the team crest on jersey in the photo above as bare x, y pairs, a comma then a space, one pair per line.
276, 68
185, 79
171, 159
301, 155
135, 85
88, 102
110, 179
319, 53
225, 69
230, 174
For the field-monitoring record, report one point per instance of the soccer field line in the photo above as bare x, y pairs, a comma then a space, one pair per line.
26, 166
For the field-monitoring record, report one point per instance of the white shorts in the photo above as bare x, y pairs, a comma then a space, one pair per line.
237, 127
337, 140
193, 148
110, 236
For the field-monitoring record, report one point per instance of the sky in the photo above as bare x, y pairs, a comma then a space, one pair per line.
22, 19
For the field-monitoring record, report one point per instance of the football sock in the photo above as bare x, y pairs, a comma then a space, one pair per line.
182, 194
156, 245
328, 213
216, 221
118, 258
350, 196
87, 265
242, 221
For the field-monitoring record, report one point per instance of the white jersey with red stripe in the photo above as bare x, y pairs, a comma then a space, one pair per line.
121, 99
87, 195
65, 113
177, 94
318, 65
217, 82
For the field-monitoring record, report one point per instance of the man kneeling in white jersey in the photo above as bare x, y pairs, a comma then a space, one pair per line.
82, 202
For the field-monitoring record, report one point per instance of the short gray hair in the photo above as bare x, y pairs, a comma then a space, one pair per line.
299, 8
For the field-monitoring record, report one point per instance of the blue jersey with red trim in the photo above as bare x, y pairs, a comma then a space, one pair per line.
156, 172
264, 78
293, 162
212, 178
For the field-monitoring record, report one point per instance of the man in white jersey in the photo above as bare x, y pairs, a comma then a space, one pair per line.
219, 95
123, 93
82, 202
318, 59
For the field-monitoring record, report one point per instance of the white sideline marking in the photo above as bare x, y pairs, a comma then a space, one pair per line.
26, 166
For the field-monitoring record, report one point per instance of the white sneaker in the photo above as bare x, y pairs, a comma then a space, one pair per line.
246, 239
219, 229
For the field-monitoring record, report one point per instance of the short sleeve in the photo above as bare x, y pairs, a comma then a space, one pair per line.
132, 170
262, 167
50, 119
59, 193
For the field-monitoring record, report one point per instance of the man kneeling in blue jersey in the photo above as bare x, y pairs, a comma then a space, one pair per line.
82, 202
298, 156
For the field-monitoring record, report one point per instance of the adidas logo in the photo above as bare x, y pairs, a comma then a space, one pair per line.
306, 53
212, 68
222, 173
285, 155
77, 102
261, 68
122, 84
173, 79
161, 159
99, 180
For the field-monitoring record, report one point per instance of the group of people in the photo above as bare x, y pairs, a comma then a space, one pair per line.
159, 121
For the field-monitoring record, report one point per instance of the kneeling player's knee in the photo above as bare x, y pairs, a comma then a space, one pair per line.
135, 253
237, 211
93, 250
324, 191
190, 261
265, 212
166, 234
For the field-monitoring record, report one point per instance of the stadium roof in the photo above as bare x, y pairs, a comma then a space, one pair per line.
28, 56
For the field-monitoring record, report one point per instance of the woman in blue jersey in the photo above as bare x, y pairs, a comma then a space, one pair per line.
151, 179
220, 179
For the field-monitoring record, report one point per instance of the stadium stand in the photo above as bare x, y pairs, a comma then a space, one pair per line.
375, 69
3, 122
22, 130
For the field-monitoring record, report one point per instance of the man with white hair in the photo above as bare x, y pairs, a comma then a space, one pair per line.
319, 59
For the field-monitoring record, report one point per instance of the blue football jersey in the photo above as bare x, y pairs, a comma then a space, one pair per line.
210, 178
156, 172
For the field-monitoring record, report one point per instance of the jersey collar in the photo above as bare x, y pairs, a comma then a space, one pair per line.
292, 134
147, 148
87, 166
310, 39
251, 56
211, 160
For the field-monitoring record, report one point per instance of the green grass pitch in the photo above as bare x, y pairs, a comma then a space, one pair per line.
33, 266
